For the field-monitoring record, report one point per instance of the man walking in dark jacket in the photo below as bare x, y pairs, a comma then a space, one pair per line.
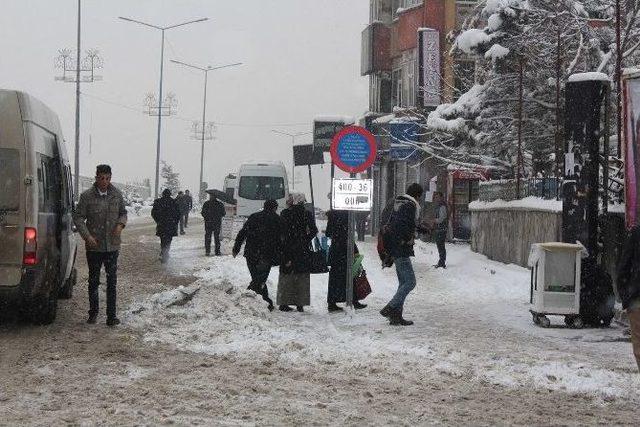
212, 212
262, 249
166, 214
402, 225
184, 204
188, 206
628, 283
100, 217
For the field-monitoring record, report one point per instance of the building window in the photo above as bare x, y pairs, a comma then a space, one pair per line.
398, 6
396, 87
404, 79
380, 11
380, 93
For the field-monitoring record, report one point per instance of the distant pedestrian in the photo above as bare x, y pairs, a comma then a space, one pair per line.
100, 217
440, 225
361, 225
298, 230
402, 228
166, 214
188, 206
262, 248
338, 231
212, 212
184, 206
628, 283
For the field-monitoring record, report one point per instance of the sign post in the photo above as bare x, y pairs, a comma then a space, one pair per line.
353, 150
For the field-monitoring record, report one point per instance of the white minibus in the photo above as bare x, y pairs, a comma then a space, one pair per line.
260, 181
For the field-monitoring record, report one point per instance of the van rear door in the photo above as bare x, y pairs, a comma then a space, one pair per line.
11, 222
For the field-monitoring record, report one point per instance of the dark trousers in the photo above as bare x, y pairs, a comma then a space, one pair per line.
186, 219
95, 260
361, 229
259, 274
208, 229
441, 236
165, 245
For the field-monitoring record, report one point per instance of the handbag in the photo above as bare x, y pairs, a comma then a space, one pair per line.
361, 285
318, 261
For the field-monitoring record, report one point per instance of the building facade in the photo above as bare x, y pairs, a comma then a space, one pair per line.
405, 56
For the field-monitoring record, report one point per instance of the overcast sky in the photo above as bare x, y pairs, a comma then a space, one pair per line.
301, 59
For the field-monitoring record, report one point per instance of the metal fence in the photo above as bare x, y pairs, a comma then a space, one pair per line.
506, 189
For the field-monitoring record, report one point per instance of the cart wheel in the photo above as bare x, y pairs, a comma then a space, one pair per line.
577, 323
536, 319
544, 321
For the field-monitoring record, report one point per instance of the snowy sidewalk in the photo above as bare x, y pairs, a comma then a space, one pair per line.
472, 323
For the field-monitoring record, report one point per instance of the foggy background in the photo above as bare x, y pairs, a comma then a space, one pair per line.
301, 58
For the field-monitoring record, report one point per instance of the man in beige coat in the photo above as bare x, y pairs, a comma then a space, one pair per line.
100, 217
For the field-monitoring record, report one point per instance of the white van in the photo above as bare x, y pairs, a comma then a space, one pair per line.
260, 181
37, 235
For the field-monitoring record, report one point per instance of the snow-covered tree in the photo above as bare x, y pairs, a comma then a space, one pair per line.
536, 42
171, 178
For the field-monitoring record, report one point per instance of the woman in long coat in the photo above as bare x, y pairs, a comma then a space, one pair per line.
298, 229
337, 231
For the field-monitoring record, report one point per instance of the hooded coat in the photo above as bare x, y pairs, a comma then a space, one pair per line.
402, 226
166, 214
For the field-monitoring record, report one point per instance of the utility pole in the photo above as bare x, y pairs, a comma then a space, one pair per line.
558, 152
160, 99
205, 70
293, 137
618, 76
72, 74
520, 102
76, 166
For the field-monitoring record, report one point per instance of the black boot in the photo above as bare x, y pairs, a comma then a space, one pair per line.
397, 319
333, 307
284, 308
386, 311
300, 309
358, 306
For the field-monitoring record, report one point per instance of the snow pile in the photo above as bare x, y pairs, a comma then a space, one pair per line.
470, 39
468, 104
586, 77
496, 52
506, 7
216, 315
528, 203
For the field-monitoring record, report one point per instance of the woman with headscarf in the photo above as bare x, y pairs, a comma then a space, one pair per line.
298, 229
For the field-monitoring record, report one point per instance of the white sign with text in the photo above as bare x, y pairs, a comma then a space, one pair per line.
352, 194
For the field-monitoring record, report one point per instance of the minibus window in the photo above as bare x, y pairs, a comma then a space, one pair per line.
261, 187
9, 179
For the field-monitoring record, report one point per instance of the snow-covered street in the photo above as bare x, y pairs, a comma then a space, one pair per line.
472, 357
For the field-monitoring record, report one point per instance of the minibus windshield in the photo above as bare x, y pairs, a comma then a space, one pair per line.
261, 187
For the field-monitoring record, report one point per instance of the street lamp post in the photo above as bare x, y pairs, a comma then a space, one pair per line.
162, 29
204, 110
293, 137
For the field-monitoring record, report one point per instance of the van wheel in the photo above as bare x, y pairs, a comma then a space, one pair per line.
42, 310
66, 292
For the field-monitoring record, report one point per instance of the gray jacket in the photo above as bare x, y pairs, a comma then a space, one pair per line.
441, 218
97, 216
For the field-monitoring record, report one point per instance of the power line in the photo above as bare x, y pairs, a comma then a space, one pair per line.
191, 120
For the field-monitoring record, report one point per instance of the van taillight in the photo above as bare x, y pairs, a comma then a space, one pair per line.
30, 246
